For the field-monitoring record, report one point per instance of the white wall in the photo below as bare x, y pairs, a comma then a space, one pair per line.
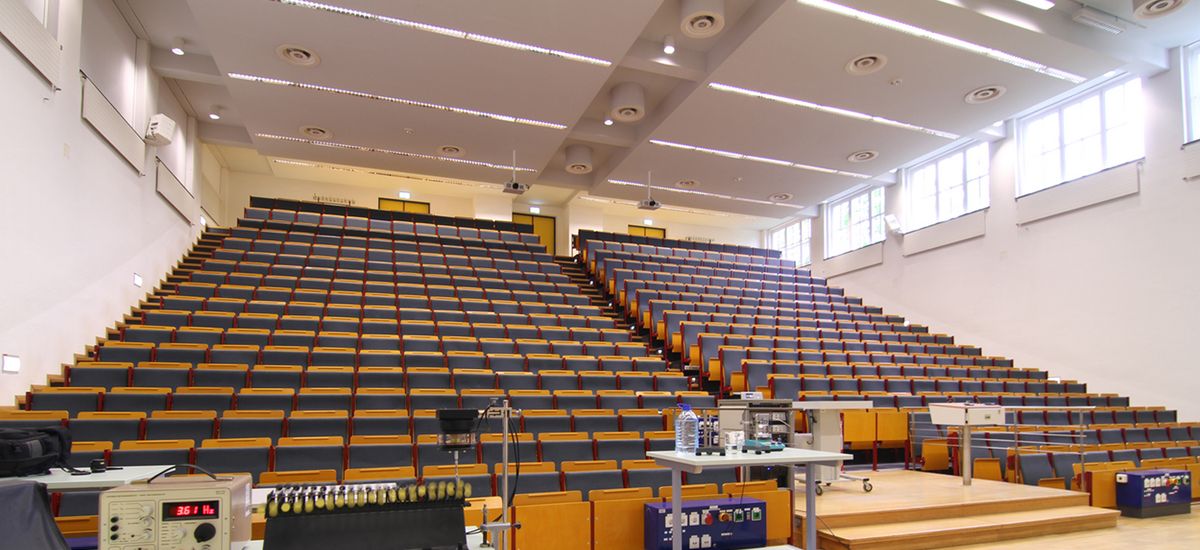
240, 186
76, 220
677, 230
1108, 294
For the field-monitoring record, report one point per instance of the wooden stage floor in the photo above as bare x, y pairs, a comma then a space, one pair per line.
909, 509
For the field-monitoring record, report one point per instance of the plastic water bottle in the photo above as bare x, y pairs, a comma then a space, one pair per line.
687, 431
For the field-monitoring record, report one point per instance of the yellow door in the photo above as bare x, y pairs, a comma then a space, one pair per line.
643, 231
397, 205
543, 226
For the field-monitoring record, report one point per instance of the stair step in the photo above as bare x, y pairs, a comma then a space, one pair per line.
954, 531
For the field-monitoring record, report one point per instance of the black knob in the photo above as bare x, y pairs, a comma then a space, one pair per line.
205, 531
116, 527
113, 537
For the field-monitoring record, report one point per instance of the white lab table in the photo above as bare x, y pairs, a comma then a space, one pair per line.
58, 480
679, 463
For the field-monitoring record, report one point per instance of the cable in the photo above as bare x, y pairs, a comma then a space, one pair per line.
181, 466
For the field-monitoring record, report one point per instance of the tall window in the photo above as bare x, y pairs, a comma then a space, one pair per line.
1084, 135
947, 187
795, 241
1191, 71
854, 222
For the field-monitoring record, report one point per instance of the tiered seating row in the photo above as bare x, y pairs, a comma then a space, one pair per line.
663, 318
596, 250
756, 255
617, 285
380, 334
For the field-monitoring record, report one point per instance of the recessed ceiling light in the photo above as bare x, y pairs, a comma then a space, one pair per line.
608, 122
177, 46
690, 192
831, 110
316, 132
406, 154
446, 31
647, 221
764, 160
669, 44
950, 41
402, 101
685, 184
450, 150
984, 94
863, 156
405, 195
216, 113
298, 55
535, 210
780, 197
866, 64
290, 162
1039, 4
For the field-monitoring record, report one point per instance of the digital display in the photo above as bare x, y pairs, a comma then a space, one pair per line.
191, 510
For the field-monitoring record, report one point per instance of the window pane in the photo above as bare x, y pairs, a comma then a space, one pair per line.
777, 241
1193, 87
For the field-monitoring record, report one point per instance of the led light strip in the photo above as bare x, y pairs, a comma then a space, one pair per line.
945, 40
764, 160
387, 174
831, 110
399, 100
445, 31
701, 193
366, 149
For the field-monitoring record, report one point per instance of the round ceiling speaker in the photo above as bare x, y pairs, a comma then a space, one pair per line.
1149, 9
685, 184
866, 64
450, 151
579, 159
628, 102
984, 94
316, 132
780, 197
298, 55
863, 156
701, 18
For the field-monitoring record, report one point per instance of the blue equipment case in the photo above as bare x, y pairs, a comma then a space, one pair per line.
1153, 493
725, 523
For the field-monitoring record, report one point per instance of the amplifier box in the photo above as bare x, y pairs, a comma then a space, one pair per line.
725, 523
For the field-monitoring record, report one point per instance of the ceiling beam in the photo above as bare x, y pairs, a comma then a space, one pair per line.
224, 134
596, 132
647, 56
190, 67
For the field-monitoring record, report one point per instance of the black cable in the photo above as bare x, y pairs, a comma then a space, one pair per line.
180, 466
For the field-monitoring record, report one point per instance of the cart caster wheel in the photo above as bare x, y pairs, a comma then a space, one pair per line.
867, 486
819, 490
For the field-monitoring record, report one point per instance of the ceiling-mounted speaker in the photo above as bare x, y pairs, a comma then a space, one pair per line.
579, 159
701, 18
1149, 9
628, 102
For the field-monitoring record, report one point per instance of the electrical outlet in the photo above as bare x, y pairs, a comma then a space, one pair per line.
10, 363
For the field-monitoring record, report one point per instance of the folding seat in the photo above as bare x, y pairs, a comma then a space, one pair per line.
380, 377
491, 448
180, 303
285, 355
560, 341
385, 341
175, 425
152, 334
416, 359
672, 381
379, 358
536, 477
536, 348
594, 420
1034, 418
1125, 455
78, 503
317, 399
432, 398
217, 319
251, 423
428, 377
480, 398
509, 381
238, 455
640, 420
474, 475
616, 364
1156, 453
657, 400
106, 426
646, 474
554, 380
1177, 433
294, 338
1143, 416
597, 380
257, 337
1175, 452
379, 451
537, 421
561, 447
413, 327
1033, 467
570, 400
619, 446
1064, 464
784, 386
720, 476
166, 317
152, 452
629, 349
531, 399
202, 398
374, 398
1123, 417
276, 376
306, 322
84, 452
328, 377
135, 399
334, 356
19, 419
635, 380
72, 399
430, 453
231, 354
1135, 435
603, 350
125, 352
99, 374
592, 475
617, 399
464, 378
697, 399
310, 453
268, 399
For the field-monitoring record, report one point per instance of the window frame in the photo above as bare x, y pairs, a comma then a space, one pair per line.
801, 248
983, 181
875, 226
1099, 91
1190, 62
